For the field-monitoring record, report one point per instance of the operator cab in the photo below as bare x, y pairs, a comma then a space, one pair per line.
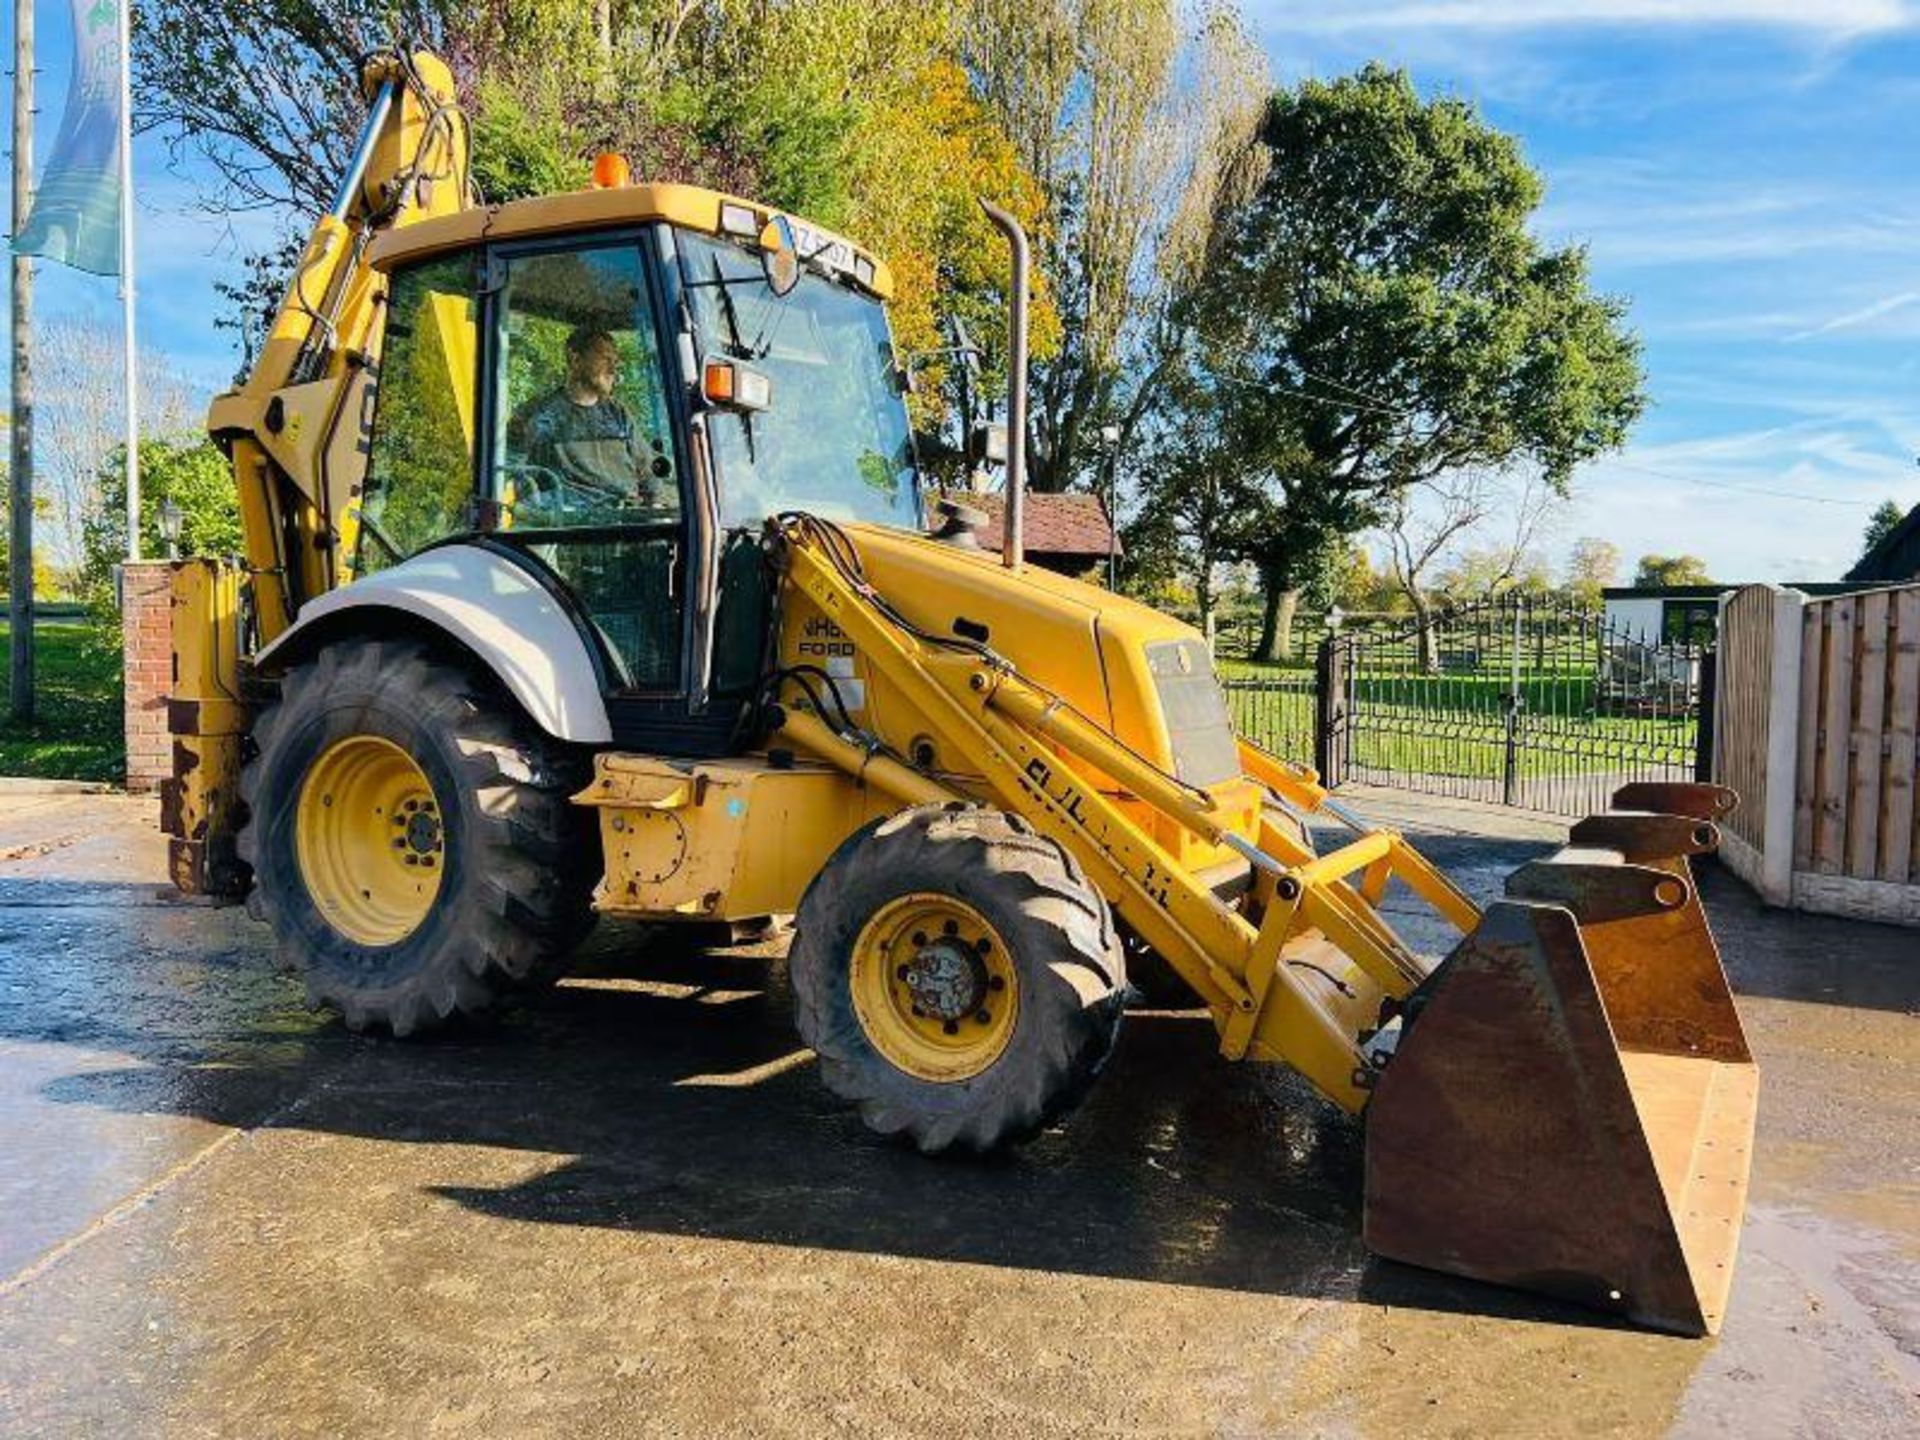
619, 410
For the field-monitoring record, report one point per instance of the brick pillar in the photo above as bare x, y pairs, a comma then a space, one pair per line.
146, 599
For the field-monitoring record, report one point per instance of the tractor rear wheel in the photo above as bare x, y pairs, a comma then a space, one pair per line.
411, 837
958, 976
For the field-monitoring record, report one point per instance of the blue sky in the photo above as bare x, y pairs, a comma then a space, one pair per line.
180, 251
1745, 172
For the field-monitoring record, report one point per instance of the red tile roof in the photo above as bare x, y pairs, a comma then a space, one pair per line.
1074, 525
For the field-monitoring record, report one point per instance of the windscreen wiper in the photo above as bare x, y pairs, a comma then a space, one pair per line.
737, 349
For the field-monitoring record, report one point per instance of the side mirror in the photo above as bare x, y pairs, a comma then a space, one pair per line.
989, 443
780, 256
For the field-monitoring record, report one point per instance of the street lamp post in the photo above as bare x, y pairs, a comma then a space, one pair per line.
170, 518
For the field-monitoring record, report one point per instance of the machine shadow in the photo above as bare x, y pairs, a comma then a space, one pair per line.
675, 1080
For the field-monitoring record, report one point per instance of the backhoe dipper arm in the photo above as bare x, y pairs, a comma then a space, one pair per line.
296, 466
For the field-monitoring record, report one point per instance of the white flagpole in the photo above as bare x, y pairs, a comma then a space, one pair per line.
126, 281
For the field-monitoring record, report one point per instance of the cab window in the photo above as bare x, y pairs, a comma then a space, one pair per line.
583, 460
419, 481
836, 440
584, 436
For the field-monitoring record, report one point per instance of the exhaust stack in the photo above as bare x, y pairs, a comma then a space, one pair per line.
1013, 547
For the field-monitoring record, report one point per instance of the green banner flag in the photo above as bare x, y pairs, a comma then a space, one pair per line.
75, 217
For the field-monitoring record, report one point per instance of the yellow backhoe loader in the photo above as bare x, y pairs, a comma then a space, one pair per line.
587, 572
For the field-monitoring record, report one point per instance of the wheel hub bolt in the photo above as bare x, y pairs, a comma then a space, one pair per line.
423, 833
945, 980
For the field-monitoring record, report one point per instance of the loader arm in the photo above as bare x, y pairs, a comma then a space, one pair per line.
1565, 1102
1265, 976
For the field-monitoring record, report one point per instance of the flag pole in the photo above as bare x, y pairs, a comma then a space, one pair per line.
126, 280
20, 517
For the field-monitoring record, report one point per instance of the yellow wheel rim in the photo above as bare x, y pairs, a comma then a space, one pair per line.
934, 987
368, 836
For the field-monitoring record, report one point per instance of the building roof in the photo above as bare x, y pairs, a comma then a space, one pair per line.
1896, 558
1074, 525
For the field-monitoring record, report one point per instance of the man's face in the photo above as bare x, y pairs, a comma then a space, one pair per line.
595, 368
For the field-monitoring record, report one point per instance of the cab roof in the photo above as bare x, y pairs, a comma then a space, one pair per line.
688, 206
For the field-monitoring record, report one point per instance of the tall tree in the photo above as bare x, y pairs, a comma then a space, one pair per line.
265, 91
1195, 501
1434, 521
1659, 571
1134, 118
854, 113
1379, 315
1592, 565
80, 425
1885, 519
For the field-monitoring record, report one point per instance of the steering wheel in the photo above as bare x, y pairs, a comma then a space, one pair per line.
547, 492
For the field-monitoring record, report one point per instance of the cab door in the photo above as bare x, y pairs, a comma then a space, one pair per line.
585, 469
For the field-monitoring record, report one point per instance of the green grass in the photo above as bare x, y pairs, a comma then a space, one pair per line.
1409, 724
1302, 664
76, 733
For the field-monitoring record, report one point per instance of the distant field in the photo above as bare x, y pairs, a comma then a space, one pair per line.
76, 734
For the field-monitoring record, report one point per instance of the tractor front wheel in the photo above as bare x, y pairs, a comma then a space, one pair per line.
959, 978
411, 836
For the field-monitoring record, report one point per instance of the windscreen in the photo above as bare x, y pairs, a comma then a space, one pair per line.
835, 440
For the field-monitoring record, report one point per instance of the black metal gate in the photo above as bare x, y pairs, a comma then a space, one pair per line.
1524, 700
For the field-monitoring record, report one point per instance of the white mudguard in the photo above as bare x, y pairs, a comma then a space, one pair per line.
496, 610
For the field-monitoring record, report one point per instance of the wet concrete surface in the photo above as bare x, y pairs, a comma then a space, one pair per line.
630, 1207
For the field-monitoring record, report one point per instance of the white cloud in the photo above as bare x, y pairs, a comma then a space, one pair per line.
1862, 316
1774, 502
1636, 216
1828, 17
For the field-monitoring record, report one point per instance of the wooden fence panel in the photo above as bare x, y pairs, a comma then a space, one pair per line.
1900, 829
1834, 764
1743, 705
1835, 731
1869, 701
1813, 670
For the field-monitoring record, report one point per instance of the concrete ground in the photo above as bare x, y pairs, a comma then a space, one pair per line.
631, 1208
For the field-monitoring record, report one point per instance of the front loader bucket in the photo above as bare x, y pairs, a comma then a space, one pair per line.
1570, 1106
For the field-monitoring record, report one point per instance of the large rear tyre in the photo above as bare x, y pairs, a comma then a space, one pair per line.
959, 978
411, 837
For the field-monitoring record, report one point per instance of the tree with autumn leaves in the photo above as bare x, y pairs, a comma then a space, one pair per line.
1290, 307
1110, 127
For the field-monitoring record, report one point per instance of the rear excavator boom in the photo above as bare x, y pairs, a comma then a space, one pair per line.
587, 574
295, 428
295, 431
